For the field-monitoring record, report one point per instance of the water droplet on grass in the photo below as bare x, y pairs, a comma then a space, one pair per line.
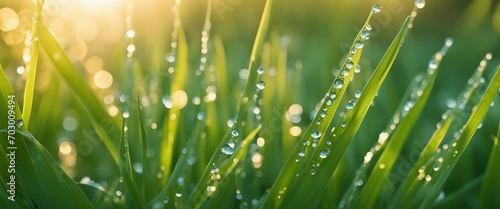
376, 8
235, 133
302, 153
338, 83
227, 150
349, 64
357, 94
358, 44
260, 85
260, 70
323, 153
420, 4
343, 124
315, 134
350, 104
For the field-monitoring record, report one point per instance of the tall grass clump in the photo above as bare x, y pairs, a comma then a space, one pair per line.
188, 131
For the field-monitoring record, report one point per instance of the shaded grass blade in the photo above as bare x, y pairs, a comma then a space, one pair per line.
411, 110
469, 129
212, 176
314, 176
46, 182
491, 183
105, 126
125, 167
171, 121
329, 105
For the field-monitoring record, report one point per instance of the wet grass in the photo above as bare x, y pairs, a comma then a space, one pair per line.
191, 134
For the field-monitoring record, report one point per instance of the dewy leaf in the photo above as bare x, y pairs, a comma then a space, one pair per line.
105, 126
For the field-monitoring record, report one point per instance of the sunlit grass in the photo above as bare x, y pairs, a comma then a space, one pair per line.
166, 122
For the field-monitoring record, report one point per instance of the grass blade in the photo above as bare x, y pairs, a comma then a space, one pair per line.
463, 140
46, 182
341, 136
105, 126
412, 110
214, 177
329, 106
29, 89
125, 167
491, 183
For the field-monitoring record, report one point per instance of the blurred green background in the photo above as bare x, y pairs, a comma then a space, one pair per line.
317, 34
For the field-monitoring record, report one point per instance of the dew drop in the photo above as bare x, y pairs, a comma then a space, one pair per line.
420, 4
357, 94
170, 57
302, 153
322, 114
315, 134
365, 35
376, 8
350, 104
261, 85
234, 133
329, 102
338, 83
19, 123
227, 150
433, 64
368, 27
343, 124
349, 64
345, 72
260, 70
323, 153
333, 95
328, 142
313, 170
357, 69
358, 44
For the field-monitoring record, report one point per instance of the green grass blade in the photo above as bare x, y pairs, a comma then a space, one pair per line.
213, 176
406, 105
144, 144
105, 126
6, 91
412, 109
329, 106
181, 169
491, 183
29, 89
463, 140
171, 121
341, 136
408, 188
125, 167
53, 188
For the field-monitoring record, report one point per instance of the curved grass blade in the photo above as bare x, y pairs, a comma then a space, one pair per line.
171, 121
411, 110
46, 182
313, 177
462, 141
406, 105
29, 89
125, 167
491, 183
105, 126
316, 131
214, 177
184, 163
407, 192
6, 93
